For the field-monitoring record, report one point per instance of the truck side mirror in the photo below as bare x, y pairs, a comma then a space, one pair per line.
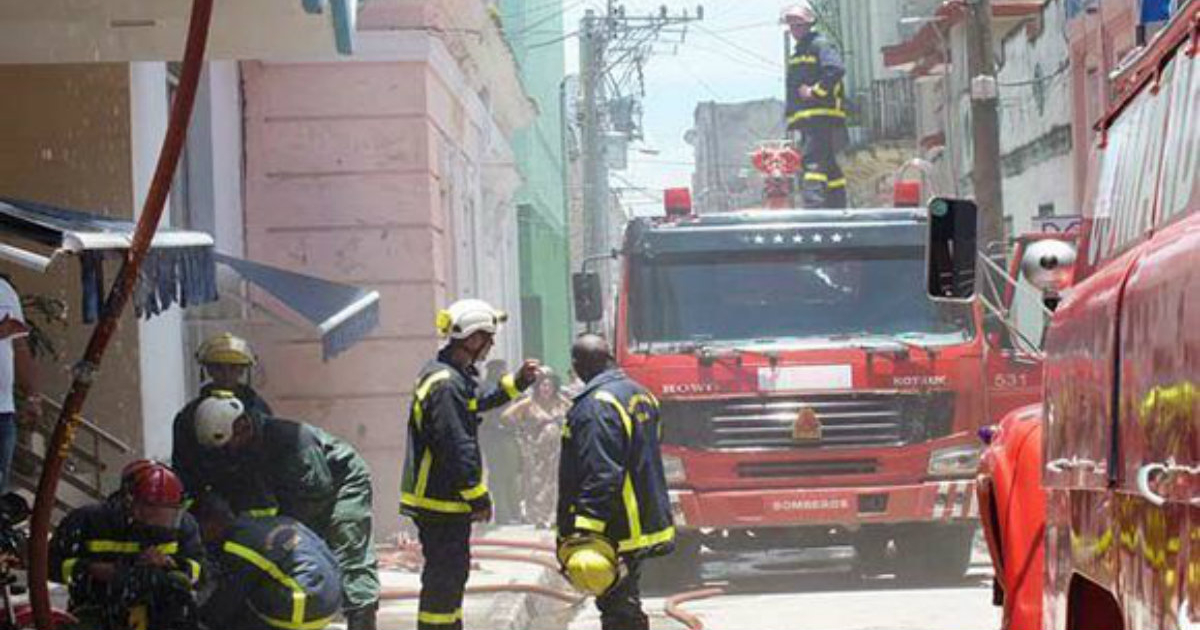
952, 249
589, 298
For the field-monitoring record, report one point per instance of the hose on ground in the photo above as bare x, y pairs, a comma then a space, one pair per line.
692, 622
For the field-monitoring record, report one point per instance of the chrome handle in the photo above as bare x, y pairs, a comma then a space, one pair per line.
1143, 483
1170, 468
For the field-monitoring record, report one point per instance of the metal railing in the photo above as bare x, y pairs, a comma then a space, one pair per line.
91, 450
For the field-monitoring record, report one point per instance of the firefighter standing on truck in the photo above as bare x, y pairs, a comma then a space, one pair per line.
815, 107
613, 507
134, 560
311, 476
443, 488
226, 361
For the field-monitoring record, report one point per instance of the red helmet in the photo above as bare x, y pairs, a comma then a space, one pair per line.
132, 470
156, 485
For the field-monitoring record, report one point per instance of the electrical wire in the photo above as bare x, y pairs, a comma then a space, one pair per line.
552, 42
773, 63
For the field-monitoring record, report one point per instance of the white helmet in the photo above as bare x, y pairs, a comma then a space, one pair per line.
215, 418
467, 317
801, 11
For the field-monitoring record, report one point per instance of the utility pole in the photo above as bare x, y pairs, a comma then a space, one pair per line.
614, 48
986, 174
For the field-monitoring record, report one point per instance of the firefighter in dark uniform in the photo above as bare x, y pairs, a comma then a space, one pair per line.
135, 560
442, 488
226, 361
815, 108
310, 476
613, 507
271, 572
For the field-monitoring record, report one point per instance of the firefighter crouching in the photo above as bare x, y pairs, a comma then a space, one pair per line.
272, 572
226, 361
613, 507
135, 560
311, 476
815, 107
443, 489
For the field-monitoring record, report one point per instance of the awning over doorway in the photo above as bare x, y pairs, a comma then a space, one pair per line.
178, 269
342, 314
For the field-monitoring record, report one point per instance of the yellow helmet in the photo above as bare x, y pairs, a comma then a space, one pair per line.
589, 563
227, 349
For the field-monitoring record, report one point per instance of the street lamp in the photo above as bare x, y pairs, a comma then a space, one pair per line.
946, 99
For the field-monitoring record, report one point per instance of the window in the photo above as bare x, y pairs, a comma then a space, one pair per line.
1123, 201
1180, 186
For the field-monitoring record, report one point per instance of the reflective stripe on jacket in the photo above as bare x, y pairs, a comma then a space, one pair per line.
443, 470
610, 478
102, 533
283, 572
817, 63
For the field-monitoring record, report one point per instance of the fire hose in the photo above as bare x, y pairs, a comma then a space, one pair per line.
673, 610
118, 298
672, 607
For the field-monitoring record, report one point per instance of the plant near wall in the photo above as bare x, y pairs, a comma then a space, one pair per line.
46, 317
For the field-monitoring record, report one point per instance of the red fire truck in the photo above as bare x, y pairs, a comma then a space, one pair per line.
812, 395
1091, 501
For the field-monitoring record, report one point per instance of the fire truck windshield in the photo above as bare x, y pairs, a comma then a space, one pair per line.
789, 295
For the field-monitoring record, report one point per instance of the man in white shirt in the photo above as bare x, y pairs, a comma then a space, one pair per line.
16, 369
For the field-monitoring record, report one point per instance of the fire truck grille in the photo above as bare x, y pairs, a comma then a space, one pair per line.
849, 420
766, 470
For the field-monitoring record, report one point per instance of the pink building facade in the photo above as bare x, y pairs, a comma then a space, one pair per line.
393, 171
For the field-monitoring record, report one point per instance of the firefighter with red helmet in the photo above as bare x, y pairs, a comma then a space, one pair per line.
134, 560
816, 107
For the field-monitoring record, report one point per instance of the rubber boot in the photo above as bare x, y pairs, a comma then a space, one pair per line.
362, 618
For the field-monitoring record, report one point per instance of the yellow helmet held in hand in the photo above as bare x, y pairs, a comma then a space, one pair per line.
226, 348
589, 563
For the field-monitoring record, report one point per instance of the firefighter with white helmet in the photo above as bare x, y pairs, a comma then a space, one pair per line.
816, 107
311, 476
226, 361
443, 488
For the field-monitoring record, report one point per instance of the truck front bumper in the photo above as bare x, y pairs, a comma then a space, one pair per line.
936, 501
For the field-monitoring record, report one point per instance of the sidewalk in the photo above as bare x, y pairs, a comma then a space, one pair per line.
485, 611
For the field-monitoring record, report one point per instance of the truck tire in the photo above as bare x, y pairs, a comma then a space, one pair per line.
936, 554
677, 570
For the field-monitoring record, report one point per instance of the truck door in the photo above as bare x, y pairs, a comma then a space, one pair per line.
1159, 403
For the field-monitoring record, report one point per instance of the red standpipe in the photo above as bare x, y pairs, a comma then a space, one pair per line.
147, 225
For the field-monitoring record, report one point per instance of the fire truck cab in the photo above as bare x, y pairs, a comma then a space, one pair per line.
812, 395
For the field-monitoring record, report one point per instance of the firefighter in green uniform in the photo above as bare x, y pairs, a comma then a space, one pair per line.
443, 489
815, 107
313, 477
226, 361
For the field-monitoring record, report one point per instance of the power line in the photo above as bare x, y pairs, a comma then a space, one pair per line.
774, 63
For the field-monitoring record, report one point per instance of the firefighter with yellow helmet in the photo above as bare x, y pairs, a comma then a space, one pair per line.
226, 362
443, 488
613, 508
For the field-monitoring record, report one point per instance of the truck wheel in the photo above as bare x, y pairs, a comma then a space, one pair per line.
871, 555
938, 554
677, 570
